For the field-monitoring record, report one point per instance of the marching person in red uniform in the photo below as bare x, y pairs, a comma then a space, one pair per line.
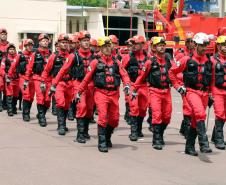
219, 92
156, 73
129, 45
35, 67
3, 50
74, 46
21, 61
115, 47
94, 46
11, 84
134, 63
106, 73
187, 111
63, 90
77, 66
196, 82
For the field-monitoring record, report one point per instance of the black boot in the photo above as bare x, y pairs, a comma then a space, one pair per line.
80, 127
54, 109
14, 105
149, 120
102, 144
20, 101
218, 135
4, 102
109, 131
157, 143
133, 136
185, 126
139, 126
9, 102
65, 120
126, 112
1, 107
190, 142
163, 128
41, 115
71, 112
26, 110
203, 140
60, 120
86, 129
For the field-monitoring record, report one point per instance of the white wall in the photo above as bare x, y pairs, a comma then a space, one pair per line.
18, 16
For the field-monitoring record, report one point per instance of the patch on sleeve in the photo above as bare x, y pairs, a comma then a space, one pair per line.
89, 68
66, 60
144, 68
178, 63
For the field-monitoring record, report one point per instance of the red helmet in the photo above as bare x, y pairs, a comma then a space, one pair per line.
28, 41
114, 39
43, 36
3, 30
93, 42
11, 45
63, 36
84, 34
73, 38
138, 39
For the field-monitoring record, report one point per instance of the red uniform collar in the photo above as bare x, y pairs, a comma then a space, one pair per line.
84, 53
222, 56
44, 52
27, 53
63, 53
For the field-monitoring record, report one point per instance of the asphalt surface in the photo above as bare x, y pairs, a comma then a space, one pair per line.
31, 155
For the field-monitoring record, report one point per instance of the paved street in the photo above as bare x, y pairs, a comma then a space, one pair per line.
31, 155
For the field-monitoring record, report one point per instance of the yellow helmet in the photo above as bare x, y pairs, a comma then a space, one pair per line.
221, 39
157, 40
104, 40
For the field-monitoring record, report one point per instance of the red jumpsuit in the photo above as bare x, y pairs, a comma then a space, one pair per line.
197, 97
29, 92
138, 106
219, 92
64, 88
160, 98
41, 97
86, 104
187, 111
107, 98
12, 89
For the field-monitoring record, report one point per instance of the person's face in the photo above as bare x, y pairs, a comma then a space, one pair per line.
44, 43
71, 45
201, 49
85, 43
222, 48
63, 45
12, 51
29, 47
160, 48
3, 36
137, 47
190, 44
106, 49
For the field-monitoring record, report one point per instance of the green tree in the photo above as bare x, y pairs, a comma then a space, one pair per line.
95, 3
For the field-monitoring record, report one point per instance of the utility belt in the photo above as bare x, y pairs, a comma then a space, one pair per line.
66, 79
221, 87
200, 88
109, 88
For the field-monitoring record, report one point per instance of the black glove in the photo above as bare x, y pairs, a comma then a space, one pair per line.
127, 90
134, 95
182, 90
210, 101
78, 97
26, 82
52, 90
